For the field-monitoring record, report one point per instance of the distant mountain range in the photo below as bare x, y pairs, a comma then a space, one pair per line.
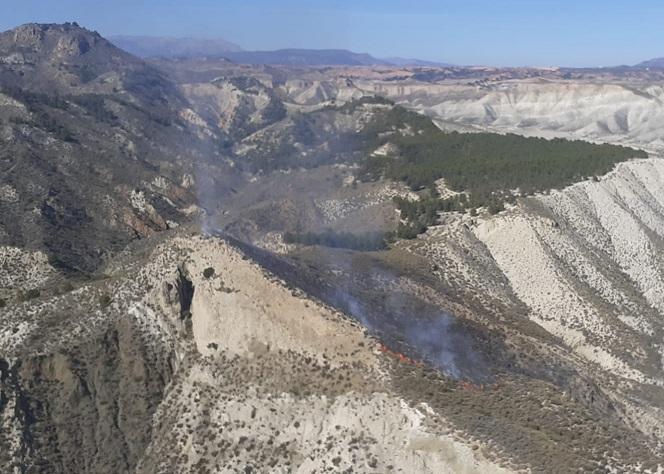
412, 62
306, 57
188, 48
152, 46
657, 63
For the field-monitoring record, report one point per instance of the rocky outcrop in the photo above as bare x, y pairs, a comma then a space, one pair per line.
277, 381
236, 107
21, 269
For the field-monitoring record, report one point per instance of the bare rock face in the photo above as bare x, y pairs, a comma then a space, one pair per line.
236, 107
29, 35
72, 46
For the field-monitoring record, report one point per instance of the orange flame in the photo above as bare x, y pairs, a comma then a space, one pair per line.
398, 355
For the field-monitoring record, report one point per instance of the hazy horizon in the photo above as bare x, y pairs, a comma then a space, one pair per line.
499, 33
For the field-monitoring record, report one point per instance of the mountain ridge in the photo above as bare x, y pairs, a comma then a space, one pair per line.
307, 57
164, 46
80, 110
415, 62
655, 63
189, 48
145, 46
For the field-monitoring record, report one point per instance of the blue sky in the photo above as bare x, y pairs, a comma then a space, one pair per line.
492, 32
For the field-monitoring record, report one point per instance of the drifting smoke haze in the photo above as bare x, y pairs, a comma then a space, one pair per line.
421, 332
406, 323
215, 179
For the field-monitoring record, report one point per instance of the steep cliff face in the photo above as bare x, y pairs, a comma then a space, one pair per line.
85, 408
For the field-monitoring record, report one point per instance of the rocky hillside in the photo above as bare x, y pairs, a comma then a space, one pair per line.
75, 109
154, 318
196, 359
189, 356
586, 267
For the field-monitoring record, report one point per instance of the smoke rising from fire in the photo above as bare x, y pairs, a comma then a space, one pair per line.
408, 324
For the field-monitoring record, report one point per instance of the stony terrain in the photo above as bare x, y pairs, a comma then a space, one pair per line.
153, 320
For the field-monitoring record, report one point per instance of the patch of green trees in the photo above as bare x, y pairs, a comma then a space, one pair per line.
487, 168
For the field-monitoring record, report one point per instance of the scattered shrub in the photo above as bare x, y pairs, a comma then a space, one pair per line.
105, 300
29, 295
495, 207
